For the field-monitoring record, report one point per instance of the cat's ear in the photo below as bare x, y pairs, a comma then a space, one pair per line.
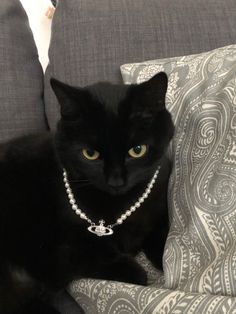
71, 99
148, 99
155, 90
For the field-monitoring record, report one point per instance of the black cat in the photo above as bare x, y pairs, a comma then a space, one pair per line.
110, 141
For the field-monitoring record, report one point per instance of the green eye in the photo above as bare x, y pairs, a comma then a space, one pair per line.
90, 154
138, 151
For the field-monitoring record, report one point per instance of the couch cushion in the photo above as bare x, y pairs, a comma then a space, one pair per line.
21, 77
91, 38
106, 297
200, 251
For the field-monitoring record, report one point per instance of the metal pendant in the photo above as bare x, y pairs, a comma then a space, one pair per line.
100, 230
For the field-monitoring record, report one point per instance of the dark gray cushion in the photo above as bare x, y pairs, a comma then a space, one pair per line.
21, 77
92, 38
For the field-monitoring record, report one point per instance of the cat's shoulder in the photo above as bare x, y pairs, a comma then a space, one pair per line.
165, 168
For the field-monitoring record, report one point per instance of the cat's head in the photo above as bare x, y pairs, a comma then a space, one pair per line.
113, 135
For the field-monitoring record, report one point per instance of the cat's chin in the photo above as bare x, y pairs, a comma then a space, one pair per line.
123, 190
120, 191
115, 191
112, 191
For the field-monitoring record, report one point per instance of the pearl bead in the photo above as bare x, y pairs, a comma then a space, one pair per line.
83, 216
67, 185
71, 196
119, 221
133, 208
72, 202
137, 204
74, 207
123, 217
78, 211
128, 213
141, 199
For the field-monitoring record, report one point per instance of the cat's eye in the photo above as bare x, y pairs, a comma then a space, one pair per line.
90, 154
138, 151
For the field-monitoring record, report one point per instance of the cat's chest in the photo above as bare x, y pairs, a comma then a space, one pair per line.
127, 236
108, 211
54, 219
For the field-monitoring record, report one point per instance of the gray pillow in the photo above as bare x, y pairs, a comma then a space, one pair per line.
91, 38
21, 77
200, 252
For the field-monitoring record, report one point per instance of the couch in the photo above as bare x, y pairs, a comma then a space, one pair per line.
91, 39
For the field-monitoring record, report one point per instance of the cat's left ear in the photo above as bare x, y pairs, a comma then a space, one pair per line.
155, 90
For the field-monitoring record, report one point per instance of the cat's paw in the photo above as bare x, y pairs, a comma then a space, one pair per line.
126, 269
134, 273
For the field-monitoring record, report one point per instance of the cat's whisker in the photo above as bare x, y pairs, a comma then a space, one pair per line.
79, 180
81, 185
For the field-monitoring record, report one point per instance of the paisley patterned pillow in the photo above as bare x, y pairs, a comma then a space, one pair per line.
200, 254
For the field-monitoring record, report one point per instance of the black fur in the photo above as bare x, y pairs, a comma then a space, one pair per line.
43, 244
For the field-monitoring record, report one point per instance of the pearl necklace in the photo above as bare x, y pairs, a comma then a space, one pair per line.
101, 229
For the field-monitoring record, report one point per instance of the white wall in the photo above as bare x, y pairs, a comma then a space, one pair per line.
40, 25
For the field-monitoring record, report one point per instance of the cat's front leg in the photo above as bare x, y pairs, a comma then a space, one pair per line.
20, 293
155, 243
36, 306
19, 300
100, 260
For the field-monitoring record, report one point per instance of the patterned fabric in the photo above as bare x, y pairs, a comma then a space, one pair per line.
119, 298
200, 255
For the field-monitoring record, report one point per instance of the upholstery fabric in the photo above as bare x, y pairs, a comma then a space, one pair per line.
21, 77
99, 297
92, 38
199, 258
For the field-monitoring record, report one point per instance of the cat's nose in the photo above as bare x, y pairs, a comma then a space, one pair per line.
115, 178
115, 182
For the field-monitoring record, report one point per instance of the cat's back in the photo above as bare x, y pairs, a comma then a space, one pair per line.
28, 171
24, 163
23, 149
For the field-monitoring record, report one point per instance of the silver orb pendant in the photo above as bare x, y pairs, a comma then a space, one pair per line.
100, 230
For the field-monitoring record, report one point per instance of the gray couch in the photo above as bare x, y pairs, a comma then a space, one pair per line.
90, 40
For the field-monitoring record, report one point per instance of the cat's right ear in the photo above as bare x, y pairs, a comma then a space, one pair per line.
60, 89
64, 94
70, 98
